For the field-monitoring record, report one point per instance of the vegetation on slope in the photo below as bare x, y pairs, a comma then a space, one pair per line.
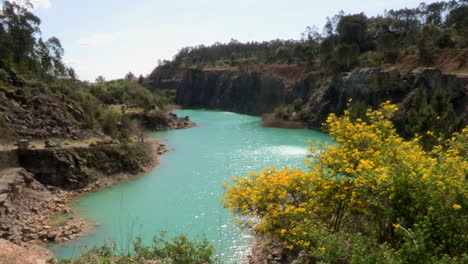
32, 68
372, 197
406, 36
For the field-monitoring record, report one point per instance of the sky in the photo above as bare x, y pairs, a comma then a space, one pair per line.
114, 37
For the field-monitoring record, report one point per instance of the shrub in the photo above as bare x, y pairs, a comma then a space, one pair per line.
296, 111
371, 59
110, 122
432, 117
179, 250
371, 192
3, 76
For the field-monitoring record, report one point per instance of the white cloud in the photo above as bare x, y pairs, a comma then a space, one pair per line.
72, 62
41, 3
96, 39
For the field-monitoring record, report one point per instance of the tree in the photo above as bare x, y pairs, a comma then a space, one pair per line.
404, 20
141, 79
347, 54
458, 19
100, 79
434, 114
352, 29
130, 76
22, 48
433, 13
19, 27
386, 44
72, 74
55, 49
49, 54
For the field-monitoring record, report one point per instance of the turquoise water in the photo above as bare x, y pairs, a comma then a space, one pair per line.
182, 194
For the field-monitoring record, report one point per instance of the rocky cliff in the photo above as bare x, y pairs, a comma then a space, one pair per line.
257, 92
243, 92
73, 168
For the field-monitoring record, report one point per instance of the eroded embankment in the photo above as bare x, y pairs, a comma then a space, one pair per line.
39, 183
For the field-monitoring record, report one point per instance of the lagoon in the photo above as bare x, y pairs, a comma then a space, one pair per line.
182, 194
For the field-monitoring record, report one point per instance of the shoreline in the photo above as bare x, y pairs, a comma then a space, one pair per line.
33, 216
157, 149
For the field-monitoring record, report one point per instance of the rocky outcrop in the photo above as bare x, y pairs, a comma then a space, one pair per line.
8, 159
374, 85
31, 195
11, 253
73, 168
272, 251
160, 121
26, 206
261, 92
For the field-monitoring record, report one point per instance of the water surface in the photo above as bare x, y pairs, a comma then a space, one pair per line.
182, 194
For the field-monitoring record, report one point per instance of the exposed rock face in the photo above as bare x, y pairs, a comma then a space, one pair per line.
60, 167
11, 253
243, 92
73, 168
8, 159
374, 86
257, 93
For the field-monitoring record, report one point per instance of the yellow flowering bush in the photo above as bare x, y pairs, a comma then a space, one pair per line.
371, 191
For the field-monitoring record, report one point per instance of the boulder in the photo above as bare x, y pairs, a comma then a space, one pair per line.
11, 253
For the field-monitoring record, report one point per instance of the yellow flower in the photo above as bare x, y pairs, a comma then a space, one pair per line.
368, 162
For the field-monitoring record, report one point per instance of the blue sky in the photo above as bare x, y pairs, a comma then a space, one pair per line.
113, 37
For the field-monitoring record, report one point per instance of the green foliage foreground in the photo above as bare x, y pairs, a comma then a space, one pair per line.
179, 250
372, 197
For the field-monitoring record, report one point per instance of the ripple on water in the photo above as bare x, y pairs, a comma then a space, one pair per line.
283, 150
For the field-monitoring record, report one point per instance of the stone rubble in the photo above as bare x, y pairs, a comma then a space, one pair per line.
26, 207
